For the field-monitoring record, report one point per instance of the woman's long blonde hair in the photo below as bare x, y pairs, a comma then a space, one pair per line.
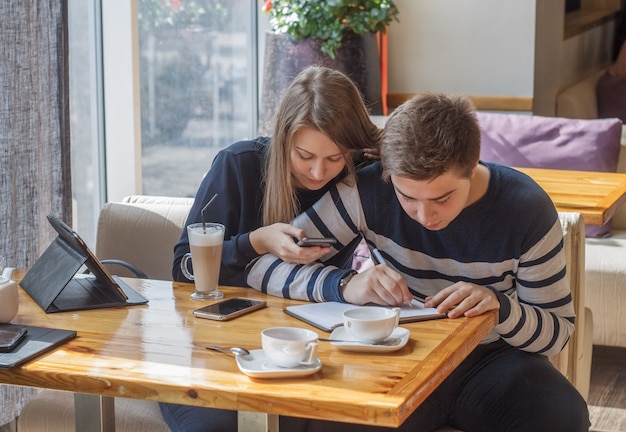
329, 102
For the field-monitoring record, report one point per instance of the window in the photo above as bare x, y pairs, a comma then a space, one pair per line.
157, 89
196, 92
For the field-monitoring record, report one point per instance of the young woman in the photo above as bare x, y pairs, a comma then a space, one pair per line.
322, 132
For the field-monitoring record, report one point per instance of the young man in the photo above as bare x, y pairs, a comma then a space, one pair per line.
467, 237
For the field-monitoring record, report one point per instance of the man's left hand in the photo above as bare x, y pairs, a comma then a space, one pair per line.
463, 299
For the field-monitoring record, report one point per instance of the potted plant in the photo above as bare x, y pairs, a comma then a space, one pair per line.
329, 20
340, 34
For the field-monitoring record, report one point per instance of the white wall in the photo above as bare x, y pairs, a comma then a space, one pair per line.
491, 48
460, 46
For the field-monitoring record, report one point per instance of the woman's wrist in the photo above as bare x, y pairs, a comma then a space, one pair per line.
256, 242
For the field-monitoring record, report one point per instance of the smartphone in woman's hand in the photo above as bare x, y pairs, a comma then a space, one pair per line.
317, 241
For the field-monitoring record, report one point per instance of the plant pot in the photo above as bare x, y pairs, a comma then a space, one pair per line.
285, 57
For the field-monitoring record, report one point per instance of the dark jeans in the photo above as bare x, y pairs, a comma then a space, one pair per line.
497, 388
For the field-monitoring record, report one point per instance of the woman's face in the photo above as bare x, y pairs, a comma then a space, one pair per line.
315, 159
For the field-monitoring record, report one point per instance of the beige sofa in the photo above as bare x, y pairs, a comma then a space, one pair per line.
605, 258
606, 276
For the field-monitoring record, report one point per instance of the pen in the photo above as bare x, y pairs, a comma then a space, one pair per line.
378, 259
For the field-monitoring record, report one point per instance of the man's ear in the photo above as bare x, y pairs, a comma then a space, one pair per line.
474, 171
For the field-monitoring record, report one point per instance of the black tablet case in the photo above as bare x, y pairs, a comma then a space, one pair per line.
52, 281
37, 341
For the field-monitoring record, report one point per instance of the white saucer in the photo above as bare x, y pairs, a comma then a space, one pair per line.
340, 333
258, 365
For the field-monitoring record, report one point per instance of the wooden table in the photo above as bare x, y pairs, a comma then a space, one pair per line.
595, 195
157, 352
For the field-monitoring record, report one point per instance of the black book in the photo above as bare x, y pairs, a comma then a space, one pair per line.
36, 341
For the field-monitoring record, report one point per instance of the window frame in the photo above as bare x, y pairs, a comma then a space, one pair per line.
122, 115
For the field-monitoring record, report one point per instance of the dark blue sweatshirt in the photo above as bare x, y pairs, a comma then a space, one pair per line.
236, 176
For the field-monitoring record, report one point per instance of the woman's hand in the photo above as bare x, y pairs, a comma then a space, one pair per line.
463, 299
278, 239
372, 154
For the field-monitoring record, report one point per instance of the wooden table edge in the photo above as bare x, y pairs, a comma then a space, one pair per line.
475, 328
591, 215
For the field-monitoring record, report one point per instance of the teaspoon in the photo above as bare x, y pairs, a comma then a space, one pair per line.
236, 351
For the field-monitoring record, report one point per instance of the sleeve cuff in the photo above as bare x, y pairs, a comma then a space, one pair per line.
505, 305
331, 286
246, 251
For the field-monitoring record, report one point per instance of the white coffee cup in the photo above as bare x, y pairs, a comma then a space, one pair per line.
289, 347
371, 323
205, 242
9, 301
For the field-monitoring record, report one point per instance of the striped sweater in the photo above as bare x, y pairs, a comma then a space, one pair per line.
510, 241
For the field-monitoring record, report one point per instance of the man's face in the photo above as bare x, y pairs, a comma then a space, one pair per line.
433, 203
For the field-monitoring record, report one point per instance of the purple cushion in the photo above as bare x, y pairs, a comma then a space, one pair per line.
552, 142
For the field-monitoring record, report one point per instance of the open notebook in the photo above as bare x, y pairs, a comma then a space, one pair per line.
52, 281
328, 316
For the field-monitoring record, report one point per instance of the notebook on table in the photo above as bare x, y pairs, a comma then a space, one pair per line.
328, 316
53, 283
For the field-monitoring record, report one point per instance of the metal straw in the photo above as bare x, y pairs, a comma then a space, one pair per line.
202, 212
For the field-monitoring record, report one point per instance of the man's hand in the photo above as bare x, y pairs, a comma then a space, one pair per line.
463, 299
278, 239
380, 285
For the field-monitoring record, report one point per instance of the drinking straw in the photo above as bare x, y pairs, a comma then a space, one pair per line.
202, 212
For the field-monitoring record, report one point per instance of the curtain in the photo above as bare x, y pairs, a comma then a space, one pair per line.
34, 139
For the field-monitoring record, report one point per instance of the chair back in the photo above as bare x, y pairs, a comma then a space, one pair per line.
570, 360
141, 230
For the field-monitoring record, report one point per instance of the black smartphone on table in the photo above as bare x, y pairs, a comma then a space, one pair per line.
317, 241
230, 308
10, 337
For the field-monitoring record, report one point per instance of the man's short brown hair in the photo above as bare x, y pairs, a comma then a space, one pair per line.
429, 135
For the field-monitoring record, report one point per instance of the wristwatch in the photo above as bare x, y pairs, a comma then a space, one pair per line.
344, 280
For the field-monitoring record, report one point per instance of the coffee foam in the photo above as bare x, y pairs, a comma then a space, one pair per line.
212, 237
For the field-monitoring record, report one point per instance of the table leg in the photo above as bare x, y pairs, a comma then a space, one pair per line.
256, 422
94, 413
